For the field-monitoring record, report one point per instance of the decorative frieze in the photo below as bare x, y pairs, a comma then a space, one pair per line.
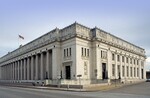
75, 30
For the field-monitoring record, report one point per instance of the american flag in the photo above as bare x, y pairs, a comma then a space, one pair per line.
21, 37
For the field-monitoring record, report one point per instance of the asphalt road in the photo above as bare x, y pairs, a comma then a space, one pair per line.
138, 89
14, 92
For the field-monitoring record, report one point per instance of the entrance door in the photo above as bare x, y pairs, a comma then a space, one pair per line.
103, 70
68, 73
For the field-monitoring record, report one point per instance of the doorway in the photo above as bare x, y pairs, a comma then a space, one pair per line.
104, 74
68, 72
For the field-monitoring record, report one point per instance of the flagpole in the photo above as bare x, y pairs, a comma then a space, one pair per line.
19, 41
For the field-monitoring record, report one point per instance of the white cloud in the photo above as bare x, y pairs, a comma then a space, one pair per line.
148, 59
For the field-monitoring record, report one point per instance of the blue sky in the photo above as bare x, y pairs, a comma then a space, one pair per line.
128, 19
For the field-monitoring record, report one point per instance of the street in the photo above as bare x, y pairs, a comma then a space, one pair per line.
135, 91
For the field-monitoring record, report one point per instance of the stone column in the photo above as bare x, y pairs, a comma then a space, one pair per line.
28, 73
21, 69
5, 72
116, 75
16, 66
109, 65
25, 68
36, 70
121, 66
9, 71
129, 68
13, 70
125, 68
32, 68
47, 65
135, 69
10, 74
18, 70
140, 76
42, 66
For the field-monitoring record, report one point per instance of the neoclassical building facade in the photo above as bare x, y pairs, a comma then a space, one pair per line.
74, 53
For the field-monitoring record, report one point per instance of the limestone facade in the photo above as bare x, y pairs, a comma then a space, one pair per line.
64, 54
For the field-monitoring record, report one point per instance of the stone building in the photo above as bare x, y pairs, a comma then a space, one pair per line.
76, 50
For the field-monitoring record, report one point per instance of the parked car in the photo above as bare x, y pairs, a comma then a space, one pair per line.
148, 80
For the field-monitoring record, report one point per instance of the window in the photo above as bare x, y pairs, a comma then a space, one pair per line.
134, 72
131, 71
70, 51
130, 60
137, 62
137, 72
103, 54
67, 51
122, 58
88, 52
118, 58
64, 52
127, 71
127, 60
113, 56
85, 52
82, 51
134, 61
123, 71
119, 70
113, 69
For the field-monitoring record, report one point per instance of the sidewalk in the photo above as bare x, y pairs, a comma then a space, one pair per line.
88, 89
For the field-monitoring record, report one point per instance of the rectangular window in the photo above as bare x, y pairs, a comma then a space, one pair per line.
127, 60
67, 51
122, 58
101, 54
130, 60
82, 51
64, 52
134, 61
118, 70
127, 71
137, 62
88, 52
118, 58
123, 71
131, 71
113, 69
113, 56
134, 72
85, 51
70, 51
137, 72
